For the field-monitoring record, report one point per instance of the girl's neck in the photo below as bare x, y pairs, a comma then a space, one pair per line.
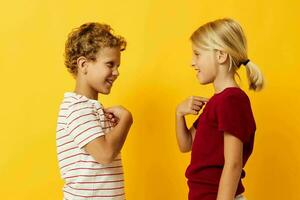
223, 81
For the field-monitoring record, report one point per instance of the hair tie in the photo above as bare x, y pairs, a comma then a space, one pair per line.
245, 62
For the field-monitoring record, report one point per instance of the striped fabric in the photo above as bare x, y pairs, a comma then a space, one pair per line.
81, 120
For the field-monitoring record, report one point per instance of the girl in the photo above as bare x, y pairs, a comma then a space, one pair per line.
221, 139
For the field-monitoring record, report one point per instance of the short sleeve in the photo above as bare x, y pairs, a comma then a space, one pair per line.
235, 117
83, 123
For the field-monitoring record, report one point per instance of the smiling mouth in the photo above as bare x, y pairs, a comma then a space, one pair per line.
110, 82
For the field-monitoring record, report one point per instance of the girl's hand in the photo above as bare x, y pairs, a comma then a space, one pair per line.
191, 105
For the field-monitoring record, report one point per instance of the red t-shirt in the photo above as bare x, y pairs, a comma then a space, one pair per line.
228, 111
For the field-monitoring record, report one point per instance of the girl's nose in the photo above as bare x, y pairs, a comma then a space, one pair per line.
193, 65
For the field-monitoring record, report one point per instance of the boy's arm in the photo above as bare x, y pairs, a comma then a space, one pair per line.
233, 154
104, 149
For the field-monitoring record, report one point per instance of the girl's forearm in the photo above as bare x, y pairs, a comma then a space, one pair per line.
184, 138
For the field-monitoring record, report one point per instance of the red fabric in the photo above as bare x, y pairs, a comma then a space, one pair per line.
228, 111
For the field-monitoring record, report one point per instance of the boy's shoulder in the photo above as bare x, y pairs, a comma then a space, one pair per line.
72, 101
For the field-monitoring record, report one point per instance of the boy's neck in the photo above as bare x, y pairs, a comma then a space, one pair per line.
85, 90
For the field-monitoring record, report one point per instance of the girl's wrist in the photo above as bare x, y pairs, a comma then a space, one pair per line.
179, 114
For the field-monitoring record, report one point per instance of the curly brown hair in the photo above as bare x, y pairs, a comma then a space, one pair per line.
87, 40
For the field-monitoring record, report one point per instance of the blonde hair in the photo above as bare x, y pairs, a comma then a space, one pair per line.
87, 40
228, 36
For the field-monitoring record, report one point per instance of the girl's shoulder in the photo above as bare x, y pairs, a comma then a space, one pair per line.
232, 93
232, 97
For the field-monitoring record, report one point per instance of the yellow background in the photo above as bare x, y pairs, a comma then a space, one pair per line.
155, 76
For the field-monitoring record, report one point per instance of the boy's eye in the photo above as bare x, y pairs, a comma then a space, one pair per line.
110, 65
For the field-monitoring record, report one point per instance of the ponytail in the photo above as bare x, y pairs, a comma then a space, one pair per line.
254, 75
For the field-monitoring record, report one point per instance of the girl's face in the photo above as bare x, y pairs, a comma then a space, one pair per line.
102, 73
204, 62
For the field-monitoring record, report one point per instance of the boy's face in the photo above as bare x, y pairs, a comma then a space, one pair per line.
102, 73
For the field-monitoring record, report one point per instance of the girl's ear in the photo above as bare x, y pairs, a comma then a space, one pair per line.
221, 56
82, 65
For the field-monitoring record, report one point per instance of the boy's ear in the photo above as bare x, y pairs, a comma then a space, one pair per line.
82, 64
221, 56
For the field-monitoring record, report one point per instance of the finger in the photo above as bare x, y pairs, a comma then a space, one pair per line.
196, 108
109, 115
202, 99
194, 112
113, 119
116, 119
198, 103
113, 124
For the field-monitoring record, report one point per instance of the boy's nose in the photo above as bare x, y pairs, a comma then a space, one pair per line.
116, 72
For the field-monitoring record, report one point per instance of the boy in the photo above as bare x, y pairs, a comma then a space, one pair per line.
89, 138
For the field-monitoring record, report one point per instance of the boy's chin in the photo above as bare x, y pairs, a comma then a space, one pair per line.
105, 91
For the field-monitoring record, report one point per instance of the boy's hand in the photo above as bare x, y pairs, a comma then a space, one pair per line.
117, 113
112, 119
191, 105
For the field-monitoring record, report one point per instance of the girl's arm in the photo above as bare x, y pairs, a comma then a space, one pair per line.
233, 154
184, 135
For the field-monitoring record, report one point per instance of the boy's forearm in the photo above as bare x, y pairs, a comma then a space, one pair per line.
116, 137
182, 133
229, 182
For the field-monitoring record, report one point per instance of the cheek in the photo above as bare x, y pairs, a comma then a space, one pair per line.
209, 65
209, 72
99, 73
95, 77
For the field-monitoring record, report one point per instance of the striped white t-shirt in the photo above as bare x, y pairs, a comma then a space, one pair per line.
81, 120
